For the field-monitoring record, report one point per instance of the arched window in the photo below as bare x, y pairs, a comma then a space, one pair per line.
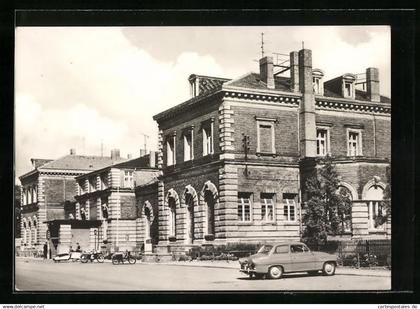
189, 203
374, 197
172, 216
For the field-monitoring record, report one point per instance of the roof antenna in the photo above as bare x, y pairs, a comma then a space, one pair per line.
262, 44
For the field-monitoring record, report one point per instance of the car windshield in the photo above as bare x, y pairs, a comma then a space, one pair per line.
265, 249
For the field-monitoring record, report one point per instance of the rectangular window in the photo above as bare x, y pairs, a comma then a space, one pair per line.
348, 89
128, 179
207, 140
188, 145
322, 142
265, 135
92, 184
267, 206
244, 207
170, 151
354, 143
289, 206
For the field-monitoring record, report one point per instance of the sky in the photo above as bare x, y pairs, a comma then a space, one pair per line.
83, 87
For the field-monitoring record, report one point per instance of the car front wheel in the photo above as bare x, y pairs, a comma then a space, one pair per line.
328, 269
275, 272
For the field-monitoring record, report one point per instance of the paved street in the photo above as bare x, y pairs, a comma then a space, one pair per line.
39, 275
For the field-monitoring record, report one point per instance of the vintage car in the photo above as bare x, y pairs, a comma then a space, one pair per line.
278, 258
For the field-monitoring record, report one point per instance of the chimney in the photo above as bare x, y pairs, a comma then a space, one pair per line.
152, 159
307, 106
72, 151
372, 84
142, 152
266, 71
115, 154
129, 156
294, 71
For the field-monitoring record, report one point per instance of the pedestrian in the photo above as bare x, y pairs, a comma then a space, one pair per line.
78, 249
45, 251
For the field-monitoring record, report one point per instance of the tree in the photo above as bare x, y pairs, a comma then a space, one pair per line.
327, 208
385, 212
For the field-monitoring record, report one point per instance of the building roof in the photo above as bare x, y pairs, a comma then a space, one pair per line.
79, 162
253, 81
211, 85
39, 162
137, 163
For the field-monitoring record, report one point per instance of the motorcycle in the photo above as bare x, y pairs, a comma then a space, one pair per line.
366, 260
120, 257
92, 256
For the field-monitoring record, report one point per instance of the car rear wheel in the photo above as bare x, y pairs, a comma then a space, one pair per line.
275, 272
328, 269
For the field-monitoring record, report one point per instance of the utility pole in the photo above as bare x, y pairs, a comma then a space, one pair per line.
246, 145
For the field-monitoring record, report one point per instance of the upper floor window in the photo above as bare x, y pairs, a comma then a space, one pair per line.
265, 135
170, 150
208, 129
188, 145
322, 141
104, 181
92, 184
348, 89
244, 207
354, 143
267, 206
128, 179
289, 206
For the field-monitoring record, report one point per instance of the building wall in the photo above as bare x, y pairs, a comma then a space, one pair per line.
285, 128
376, 132
194, 117
195, 177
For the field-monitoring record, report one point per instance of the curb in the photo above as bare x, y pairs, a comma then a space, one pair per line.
341, 271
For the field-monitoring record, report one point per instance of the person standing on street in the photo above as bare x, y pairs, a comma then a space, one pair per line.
45, 251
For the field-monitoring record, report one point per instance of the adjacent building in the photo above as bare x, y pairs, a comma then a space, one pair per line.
106, 202
47, 196
235, 156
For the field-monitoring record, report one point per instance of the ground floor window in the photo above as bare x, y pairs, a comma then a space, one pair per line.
267, 206
376, 212
244, 207
289, 206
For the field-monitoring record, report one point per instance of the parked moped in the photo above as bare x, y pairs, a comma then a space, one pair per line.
120, 257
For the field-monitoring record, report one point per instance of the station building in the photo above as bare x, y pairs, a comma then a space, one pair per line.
234, 158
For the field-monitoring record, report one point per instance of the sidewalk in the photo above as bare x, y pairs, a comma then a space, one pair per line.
341, 270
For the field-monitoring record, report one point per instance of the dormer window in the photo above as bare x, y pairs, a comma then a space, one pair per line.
194, 85
349, 90
317, 76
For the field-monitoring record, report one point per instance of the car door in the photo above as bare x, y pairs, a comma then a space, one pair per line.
302, 258
281, 256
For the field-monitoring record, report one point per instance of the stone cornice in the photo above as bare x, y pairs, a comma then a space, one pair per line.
338, 104
287, 99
